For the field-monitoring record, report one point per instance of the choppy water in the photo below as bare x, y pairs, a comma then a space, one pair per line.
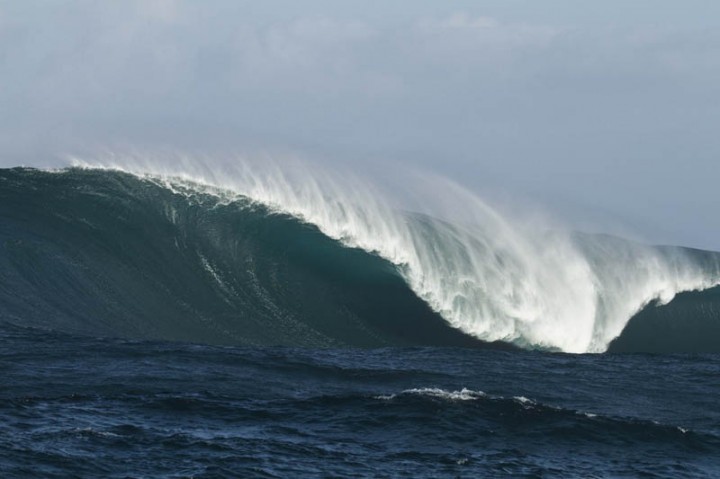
72, 406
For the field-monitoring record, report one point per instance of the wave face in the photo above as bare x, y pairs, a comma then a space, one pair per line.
107, 253
265, 258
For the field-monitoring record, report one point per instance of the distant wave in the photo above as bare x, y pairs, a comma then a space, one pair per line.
278, 258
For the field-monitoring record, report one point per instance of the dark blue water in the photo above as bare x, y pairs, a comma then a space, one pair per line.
73, 406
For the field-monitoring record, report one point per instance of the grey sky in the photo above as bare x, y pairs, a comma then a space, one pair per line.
606, 110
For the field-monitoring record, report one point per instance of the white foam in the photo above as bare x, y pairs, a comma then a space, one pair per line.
462, 395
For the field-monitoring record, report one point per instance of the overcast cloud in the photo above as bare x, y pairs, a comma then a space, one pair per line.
607, 109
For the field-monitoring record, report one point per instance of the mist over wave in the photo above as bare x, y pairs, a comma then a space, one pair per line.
496, 278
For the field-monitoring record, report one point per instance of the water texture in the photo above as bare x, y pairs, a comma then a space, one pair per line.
80, 407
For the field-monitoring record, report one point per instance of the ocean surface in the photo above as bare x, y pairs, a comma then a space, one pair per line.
160, 326
74, 406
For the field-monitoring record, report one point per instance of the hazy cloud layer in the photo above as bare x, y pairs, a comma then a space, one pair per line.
614, 109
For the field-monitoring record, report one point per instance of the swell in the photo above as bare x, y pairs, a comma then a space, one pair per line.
690, 323
107, 253
525, 412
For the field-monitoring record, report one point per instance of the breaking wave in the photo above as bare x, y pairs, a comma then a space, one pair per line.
293, 256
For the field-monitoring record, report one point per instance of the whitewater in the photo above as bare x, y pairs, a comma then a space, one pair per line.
493, 276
